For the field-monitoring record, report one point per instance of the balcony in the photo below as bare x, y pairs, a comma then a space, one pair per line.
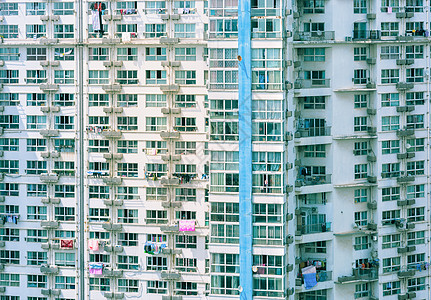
314, 228
112, 295
49, 132
312, 83
49, 88
49, 269
112, 134
404, 86
112, 227
170, 276
321, 276
112, 88
49, 178
308, 180
314, 36
360, 274
405, 132
113, 180
405, 274
313, 132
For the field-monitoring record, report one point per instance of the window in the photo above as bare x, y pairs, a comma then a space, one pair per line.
127, 262
158, 194
391, 288
359, 6
184, 194
62, 31
128, 285
128, 239
155, 171
415, 98
361, 243
37, 236
361, 171
9, 76
185, 30
64, 234
127, 193
36, 99
98, 54
64, 283
156, 123
390, 123
360, 124
185, 124
415, 121
36, 54
64, 99
64, 76
414, 51
36, 213
98, 215
35, 8
64, 122
64, 213
156, 147
64, 191
36, 122
391, 194
390, 215
9, 144
185, 77
185, 148
127, 123
391, 264
127, 146
65, 259
390, 170
392, 99
360, 195
415, 28
36, 190
64, 145
361, 100
98, 77
9, 31
390, 52
362, 290
391, 241
9, 166
416, 214
127, 77
36, 258
127, 169
127, 54
98, 100
390, 28
9, 257
64, 54
157, 263
9, 54
416, 284
35, 76
415, 75
37, 281
315, 151
9, 235
155, 30
129, 30
127, 100
96, 257
35, 31
360, 148
63, 8
157, 287
186, 241
7, 279
127, 216
415, 167
9, 189
315, 247
186, 288
361, 218
415, 238
100, 284
157, 217
390, 76
415, 191
360, 76
312, 102
413, 260
185, 54
101, 146
8, 9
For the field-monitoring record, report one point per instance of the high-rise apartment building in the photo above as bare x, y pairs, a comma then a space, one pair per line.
125, 127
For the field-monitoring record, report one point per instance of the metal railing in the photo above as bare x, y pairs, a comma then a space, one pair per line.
312, 83
308, 180
315, 228
313, 131
314, 36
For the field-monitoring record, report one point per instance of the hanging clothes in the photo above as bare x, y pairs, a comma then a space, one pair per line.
96, 268
309, 275
186, 225
93, 245
97, 9
66, 244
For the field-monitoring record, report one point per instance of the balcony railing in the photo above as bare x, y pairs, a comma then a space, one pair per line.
312, 83
315, 228
366, 35
321, 276
314, 36
265, 12
360, 274
308, 180
313, 131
